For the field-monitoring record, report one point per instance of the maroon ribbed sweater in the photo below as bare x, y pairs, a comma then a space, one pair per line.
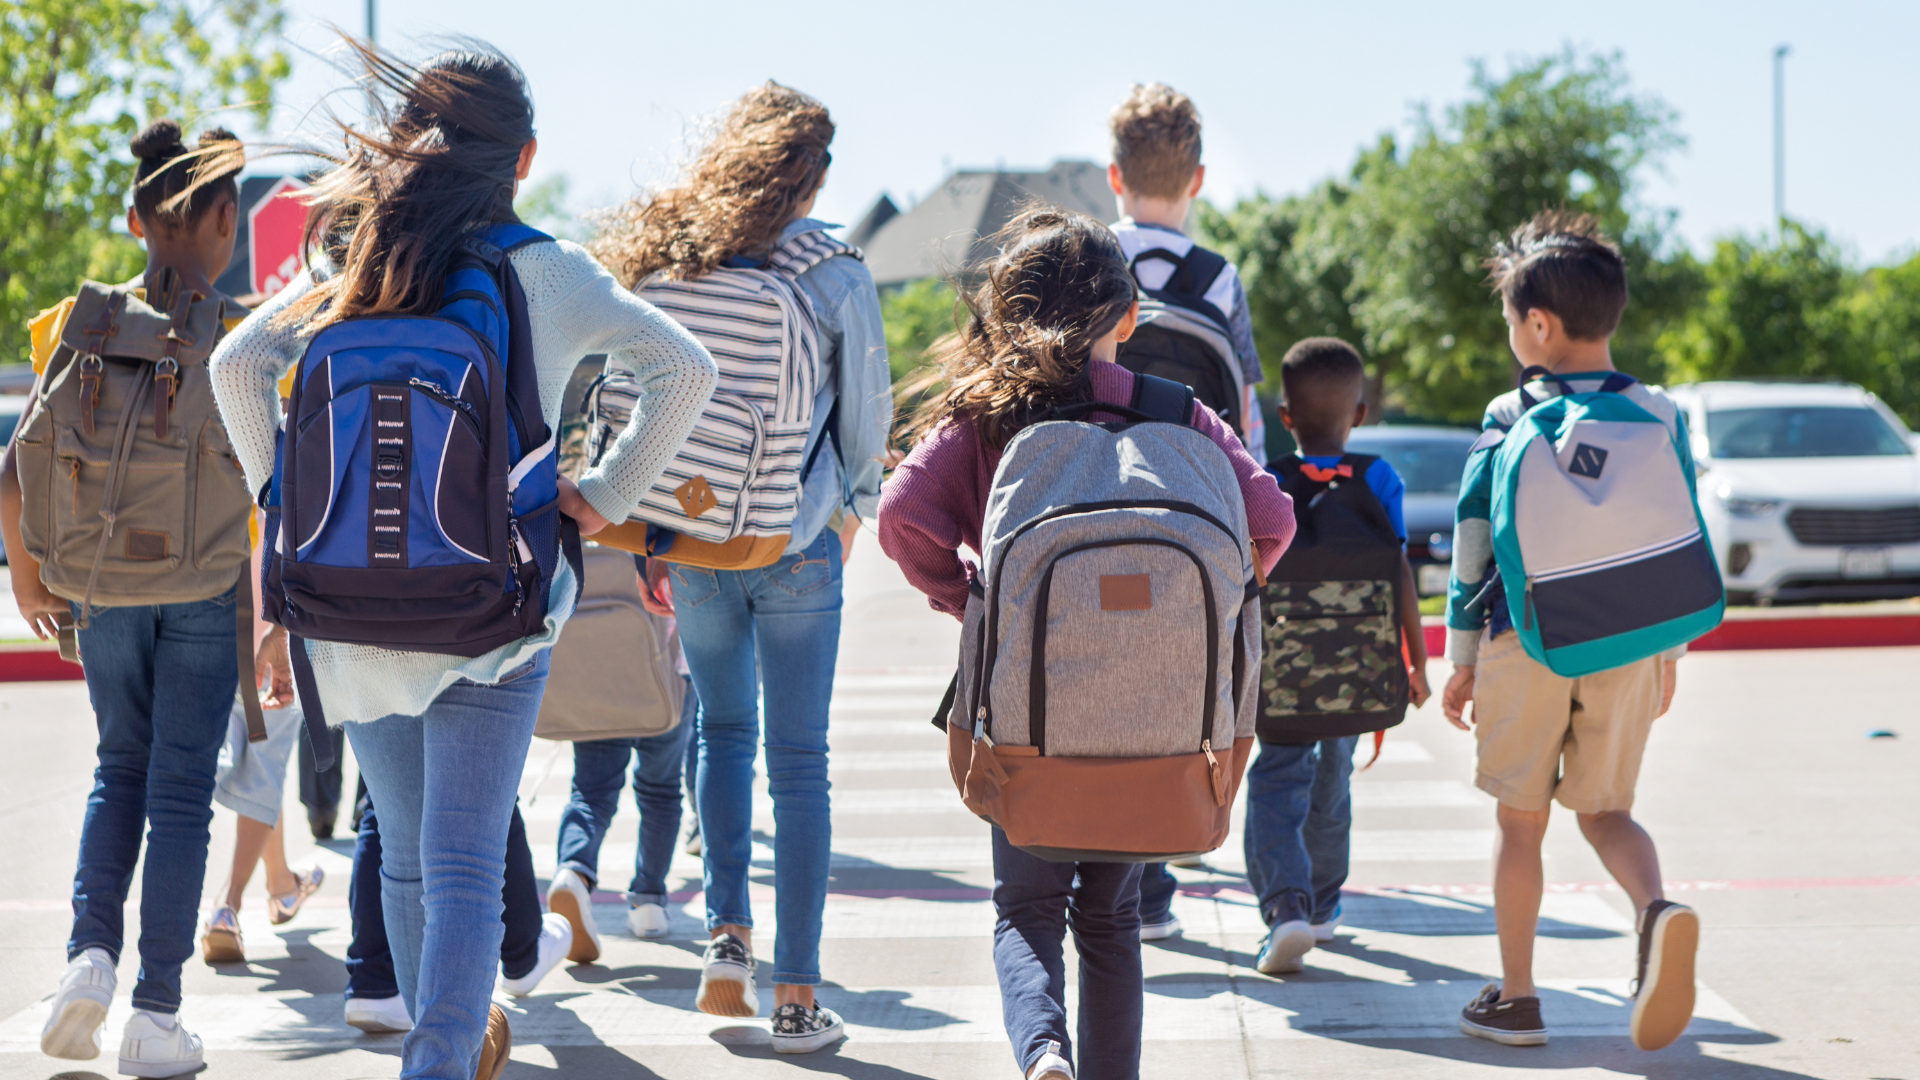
936, 501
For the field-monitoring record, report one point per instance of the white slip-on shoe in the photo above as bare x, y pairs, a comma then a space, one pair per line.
378, 1016
80, 1007
556, 939
569, 896
158, 1045
1051, 1065
726, 979
1286, 943
800, 1030
648, 921
1160, 931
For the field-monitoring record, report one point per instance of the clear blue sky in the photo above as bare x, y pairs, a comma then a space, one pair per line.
1289, 91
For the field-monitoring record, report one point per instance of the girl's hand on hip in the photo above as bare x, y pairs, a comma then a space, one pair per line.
575, 505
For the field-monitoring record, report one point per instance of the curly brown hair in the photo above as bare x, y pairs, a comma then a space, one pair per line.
1058, 283
765, 158
1156, 140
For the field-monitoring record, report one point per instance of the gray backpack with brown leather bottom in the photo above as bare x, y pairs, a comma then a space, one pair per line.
1110, 657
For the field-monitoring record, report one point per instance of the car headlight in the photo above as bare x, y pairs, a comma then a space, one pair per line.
1440, 545
1743, 506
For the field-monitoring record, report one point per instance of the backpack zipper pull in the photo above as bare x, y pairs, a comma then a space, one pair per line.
1526, 613
1206, 747
980, 725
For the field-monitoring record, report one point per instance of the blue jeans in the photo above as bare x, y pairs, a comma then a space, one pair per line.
780, 623
1157, 886
370, 960
1034, 903
444, 783
158, 750
1299, 825
598, 768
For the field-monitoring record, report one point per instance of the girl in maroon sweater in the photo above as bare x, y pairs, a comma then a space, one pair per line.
1044, 323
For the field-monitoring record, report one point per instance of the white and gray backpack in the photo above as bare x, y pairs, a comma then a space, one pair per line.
727, 500
1103, 710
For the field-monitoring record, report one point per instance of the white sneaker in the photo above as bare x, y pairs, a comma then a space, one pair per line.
157, 1045
648, 921
556, 939
80, 1007
1323, 931
379, 1015
569, 896
1161, 930
1286, 943
1051, 1065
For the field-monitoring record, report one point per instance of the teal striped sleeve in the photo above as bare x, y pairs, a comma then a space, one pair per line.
1472, 554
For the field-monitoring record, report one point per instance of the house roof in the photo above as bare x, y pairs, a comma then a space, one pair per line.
949, 229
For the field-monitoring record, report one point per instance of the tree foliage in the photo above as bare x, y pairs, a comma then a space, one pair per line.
917, 315
79, 78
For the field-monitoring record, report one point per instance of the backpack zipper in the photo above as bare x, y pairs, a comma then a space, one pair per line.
1526, 606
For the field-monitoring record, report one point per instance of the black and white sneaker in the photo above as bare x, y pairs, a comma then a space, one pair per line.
726, 979
1663, 994
800, 1030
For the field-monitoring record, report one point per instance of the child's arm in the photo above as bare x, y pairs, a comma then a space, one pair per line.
37, 603
924, 508
1414, 633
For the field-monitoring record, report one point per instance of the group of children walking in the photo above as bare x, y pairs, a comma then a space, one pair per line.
747, 381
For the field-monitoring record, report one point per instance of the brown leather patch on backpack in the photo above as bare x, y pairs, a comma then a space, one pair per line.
696, 497
146, 546
1126, 592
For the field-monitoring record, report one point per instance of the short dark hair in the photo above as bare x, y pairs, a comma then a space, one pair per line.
1561, 262
1323, 378
174, 187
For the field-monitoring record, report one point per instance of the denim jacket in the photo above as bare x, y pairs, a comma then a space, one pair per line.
853, 365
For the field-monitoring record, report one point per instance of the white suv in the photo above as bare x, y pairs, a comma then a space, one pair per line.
1811, 491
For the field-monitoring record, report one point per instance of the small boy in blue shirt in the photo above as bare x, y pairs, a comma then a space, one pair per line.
1299, 810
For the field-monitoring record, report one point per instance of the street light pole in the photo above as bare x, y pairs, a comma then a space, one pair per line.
370, 4
1779, 135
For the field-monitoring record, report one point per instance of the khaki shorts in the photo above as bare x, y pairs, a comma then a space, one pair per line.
1544, 737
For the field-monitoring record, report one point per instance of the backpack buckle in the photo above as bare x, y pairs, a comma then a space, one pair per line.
388, 466
166, 382
92, 368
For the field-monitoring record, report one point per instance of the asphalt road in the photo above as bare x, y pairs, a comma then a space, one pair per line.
1791, 831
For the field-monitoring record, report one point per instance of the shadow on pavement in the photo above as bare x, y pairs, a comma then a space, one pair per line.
1684, 1060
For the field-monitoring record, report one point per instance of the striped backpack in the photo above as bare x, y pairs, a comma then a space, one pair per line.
1597, 530
727, 500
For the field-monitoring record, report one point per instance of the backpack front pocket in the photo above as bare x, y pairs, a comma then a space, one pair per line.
220, 503
1331, 647
704, 492
149, 509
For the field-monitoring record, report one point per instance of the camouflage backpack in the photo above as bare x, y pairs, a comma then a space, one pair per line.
1332, 664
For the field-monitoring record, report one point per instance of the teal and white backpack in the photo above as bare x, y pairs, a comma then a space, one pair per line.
1597, 531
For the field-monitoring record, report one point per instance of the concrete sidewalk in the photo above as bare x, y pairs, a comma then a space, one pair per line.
1789, 829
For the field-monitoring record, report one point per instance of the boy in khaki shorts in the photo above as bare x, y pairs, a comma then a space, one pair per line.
1543, 737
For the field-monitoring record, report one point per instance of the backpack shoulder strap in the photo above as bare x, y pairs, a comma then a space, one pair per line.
1193, 274
1163, 399
496, 241
1360, 462
808, 250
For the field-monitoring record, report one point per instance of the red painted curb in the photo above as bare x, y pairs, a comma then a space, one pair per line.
1862, 626
35, 663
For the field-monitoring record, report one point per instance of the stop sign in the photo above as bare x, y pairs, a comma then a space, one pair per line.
275, 226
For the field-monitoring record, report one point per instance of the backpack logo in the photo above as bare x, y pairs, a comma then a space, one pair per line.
1126, 592
696, 496
1588, 460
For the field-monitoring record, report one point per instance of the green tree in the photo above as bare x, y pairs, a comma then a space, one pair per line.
1884, 313
543, 205
1390, 257
1769, 308
76, 79
916, 315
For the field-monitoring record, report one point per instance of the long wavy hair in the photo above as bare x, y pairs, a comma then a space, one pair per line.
1058, 284
434, 162
764, 159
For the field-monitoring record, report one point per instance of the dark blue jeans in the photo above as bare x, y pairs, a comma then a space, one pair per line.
370, 960
162, 679
1299, 826
1157, 886
598, 774
1035, 902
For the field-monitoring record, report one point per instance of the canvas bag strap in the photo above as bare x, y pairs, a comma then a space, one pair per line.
310, 709
243, 634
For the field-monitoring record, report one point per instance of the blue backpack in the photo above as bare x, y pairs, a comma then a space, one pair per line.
1597, 531
415, 496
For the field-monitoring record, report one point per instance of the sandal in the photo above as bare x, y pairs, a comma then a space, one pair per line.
220, 942
283, 908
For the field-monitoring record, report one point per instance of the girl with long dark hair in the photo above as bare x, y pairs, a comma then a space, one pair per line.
442, 740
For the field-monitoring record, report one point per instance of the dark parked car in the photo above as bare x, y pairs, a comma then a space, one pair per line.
1429, 460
